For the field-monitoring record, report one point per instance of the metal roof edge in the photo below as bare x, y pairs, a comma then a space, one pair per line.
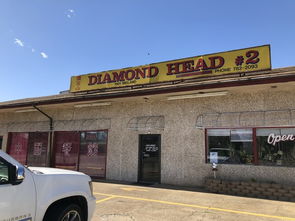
233, 80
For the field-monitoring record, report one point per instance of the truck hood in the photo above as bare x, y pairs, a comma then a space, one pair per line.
47, 170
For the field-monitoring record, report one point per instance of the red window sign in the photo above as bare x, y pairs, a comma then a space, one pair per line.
67, 149
93, 153
37, 150
18, 147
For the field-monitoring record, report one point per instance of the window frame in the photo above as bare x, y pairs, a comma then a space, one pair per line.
254, 143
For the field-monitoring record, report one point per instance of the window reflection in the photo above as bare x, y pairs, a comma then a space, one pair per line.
230, 146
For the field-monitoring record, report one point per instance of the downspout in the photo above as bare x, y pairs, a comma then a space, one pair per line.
50, 142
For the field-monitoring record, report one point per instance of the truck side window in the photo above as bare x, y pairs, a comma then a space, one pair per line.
4, 172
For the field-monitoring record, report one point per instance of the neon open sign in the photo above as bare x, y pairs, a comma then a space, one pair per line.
274, 139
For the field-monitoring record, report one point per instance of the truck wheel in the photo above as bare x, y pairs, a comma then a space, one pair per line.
70, 212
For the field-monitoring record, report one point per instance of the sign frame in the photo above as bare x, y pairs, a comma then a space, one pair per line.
247, 60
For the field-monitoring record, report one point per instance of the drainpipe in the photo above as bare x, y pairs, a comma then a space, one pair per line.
50, 144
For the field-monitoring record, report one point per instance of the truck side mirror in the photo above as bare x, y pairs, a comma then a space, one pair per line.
18, 174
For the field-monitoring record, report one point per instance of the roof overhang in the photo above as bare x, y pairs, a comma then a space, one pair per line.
235, 80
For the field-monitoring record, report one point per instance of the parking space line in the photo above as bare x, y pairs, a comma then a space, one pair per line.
197, 206
105, 199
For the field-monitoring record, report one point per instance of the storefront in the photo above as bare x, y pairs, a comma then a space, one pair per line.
83, 151
165, 122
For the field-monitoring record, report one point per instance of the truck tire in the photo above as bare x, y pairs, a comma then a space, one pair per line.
70, 212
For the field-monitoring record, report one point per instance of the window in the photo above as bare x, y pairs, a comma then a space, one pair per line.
230, 146
37, 149
93, 149
84, 151
4, 172
263, 146
29, 148
67, 146
18, 147
276, 146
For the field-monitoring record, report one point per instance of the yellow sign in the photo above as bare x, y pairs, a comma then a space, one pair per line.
237, 61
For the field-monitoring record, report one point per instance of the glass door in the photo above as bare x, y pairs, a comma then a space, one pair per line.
149, 158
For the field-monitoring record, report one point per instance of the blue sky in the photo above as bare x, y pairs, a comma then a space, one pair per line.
45, 42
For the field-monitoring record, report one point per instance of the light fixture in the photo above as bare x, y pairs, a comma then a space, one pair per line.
25, 110
197, 95
93, 104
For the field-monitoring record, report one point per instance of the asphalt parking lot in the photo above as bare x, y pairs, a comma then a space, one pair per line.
119, 202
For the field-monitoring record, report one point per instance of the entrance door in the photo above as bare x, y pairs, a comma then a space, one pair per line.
149, 158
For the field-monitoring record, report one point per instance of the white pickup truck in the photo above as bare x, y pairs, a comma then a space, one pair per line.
43, 194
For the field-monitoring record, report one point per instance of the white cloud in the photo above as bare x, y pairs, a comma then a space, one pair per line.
70, 13
44, 55
18, 42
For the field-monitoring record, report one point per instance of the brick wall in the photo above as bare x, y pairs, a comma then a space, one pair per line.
272, 191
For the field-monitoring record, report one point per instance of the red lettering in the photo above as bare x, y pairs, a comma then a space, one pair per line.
129, 77
92, 80
201, 65
118, 77
173, 68
107, 78
253, 57
187, 66
140, 72
99, 79
153, 71
213, 62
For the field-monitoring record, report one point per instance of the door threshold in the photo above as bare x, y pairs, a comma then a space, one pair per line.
146, 183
